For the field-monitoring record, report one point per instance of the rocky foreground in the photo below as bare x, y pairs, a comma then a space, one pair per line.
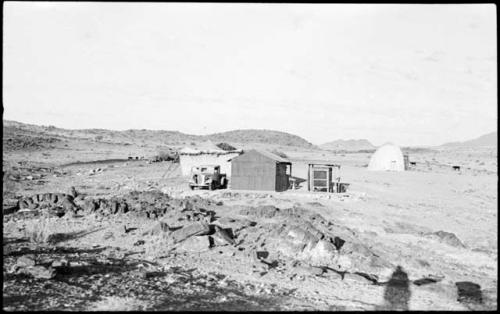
153, 251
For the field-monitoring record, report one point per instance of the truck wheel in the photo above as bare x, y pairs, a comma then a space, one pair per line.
211, 186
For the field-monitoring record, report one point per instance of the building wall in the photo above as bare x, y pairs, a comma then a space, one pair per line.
188, 161
407, 161
253, 171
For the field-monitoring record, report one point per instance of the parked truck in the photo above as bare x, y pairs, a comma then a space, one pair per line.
207, 176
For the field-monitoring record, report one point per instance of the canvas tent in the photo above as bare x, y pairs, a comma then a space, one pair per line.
388, 157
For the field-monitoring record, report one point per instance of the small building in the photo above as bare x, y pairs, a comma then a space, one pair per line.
321, 178
190, 157
260, 170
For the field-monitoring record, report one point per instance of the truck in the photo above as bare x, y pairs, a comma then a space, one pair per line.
207, 176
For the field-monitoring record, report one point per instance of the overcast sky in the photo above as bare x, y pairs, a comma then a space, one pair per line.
408, 74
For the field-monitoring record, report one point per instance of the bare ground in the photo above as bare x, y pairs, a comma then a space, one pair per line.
283, 251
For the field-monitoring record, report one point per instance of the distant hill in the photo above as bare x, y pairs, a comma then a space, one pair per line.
489, 139
12, 130
260, 136
348, 145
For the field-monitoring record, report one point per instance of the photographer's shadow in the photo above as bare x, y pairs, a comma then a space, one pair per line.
397, 292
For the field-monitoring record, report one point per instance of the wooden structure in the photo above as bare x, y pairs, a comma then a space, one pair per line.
406, 161
322, 178
260, 170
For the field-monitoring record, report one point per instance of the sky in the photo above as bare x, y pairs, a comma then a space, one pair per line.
408, 74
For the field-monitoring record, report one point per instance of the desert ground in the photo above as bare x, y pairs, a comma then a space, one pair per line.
86, 229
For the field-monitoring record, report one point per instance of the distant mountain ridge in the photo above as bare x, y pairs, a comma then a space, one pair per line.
160, 136
489, 139
348, 145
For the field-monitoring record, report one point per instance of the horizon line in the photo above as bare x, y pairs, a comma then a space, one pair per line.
249, 129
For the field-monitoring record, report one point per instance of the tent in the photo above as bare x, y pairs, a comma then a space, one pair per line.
387, 157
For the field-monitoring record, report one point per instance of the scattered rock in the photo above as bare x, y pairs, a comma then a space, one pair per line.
222, 236
158, 228
40, 272
139, 242
308, 270
90, 205
446, 237
469, 292
107, 235
10, 206
195, 244
56, 211
262, 254
353, 277
60, 263
194, 229
427, 280
72, 192
26, 261
68, 205
57, 237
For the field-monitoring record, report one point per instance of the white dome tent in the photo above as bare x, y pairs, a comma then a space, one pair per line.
388, 157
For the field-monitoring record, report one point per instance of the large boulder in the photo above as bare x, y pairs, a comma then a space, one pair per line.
159, 228
195, 244
68, 205
40, 272
90, 205
194, 229
26, 261
447, 238
222, 236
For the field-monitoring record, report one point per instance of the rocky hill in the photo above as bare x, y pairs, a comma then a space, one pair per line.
348, 145
13, 131
260, 136
489, 139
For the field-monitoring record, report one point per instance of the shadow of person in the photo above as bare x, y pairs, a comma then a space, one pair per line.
397, 292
